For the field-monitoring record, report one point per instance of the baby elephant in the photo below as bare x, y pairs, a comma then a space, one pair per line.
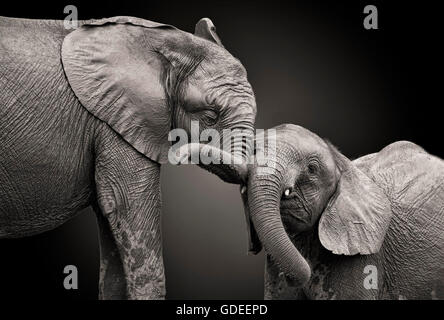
332, 228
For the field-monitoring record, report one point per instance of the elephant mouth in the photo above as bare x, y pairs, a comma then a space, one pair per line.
295, 210
289, 218
299, 214
295, 224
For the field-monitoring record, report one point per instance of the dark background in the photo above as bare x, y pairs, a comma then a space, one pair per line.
311, 64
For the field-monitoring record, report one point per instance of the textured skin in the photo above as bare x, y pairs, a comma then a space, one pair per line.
409, 263
128, 194
42, 125
53, 154
57, 158
143, 78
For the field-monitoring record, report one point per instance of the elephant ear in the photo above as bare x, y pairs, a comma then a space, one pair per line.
205, 29
115, 74
357, 217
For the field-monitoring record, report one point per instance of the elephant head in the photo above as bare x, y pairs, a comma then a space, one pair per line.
144, 79
312, 185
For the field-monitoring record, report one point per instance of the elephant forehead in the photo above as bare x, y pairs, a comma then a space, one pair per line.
219, 62
296, 133
299, 139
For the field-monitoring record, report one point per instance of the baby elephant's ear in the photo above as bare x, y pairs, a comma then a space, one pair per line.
205, 29
357, 217
116, 76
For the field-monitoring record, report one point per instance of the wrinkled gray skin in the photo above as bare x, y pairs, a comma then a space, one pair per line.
64, 146
323, 218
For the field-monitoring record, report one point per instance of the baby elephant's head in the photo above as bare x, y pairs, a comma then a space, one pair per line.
306, 184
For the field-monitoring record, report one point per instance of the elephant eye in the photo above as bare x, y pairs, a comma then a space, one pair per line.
313, 167
209, 117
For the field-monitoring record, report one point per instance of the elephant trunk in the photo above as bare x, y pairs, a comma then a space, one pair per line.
264, 202
229, 167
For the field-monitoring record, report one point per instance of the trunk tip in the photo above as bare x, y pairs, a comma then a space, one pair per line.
300, 276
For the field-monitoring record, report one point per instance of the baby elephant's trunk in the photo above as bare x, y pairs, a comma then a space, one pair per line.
264, 202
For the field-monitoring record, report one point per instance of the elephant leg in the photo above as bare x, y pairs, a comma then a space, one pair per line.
128, 196
112, 284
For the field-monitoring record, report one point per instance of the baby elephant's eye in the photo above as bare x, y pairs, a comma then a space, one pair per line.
209, 117
313, 167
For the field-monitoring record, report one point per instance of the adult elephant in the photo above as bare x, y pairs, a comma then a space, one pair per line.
84, 120
372, 228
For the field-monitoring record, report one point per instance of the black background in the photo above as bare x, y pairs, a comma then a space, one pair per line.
310, 63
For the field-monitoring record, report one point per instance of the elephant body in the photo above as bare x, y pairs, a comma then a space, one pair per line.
408, 264
54, 153
42, 125
63, 146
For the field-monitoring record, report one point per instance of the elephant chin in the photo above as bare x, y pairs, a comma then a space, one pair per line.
229, 167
